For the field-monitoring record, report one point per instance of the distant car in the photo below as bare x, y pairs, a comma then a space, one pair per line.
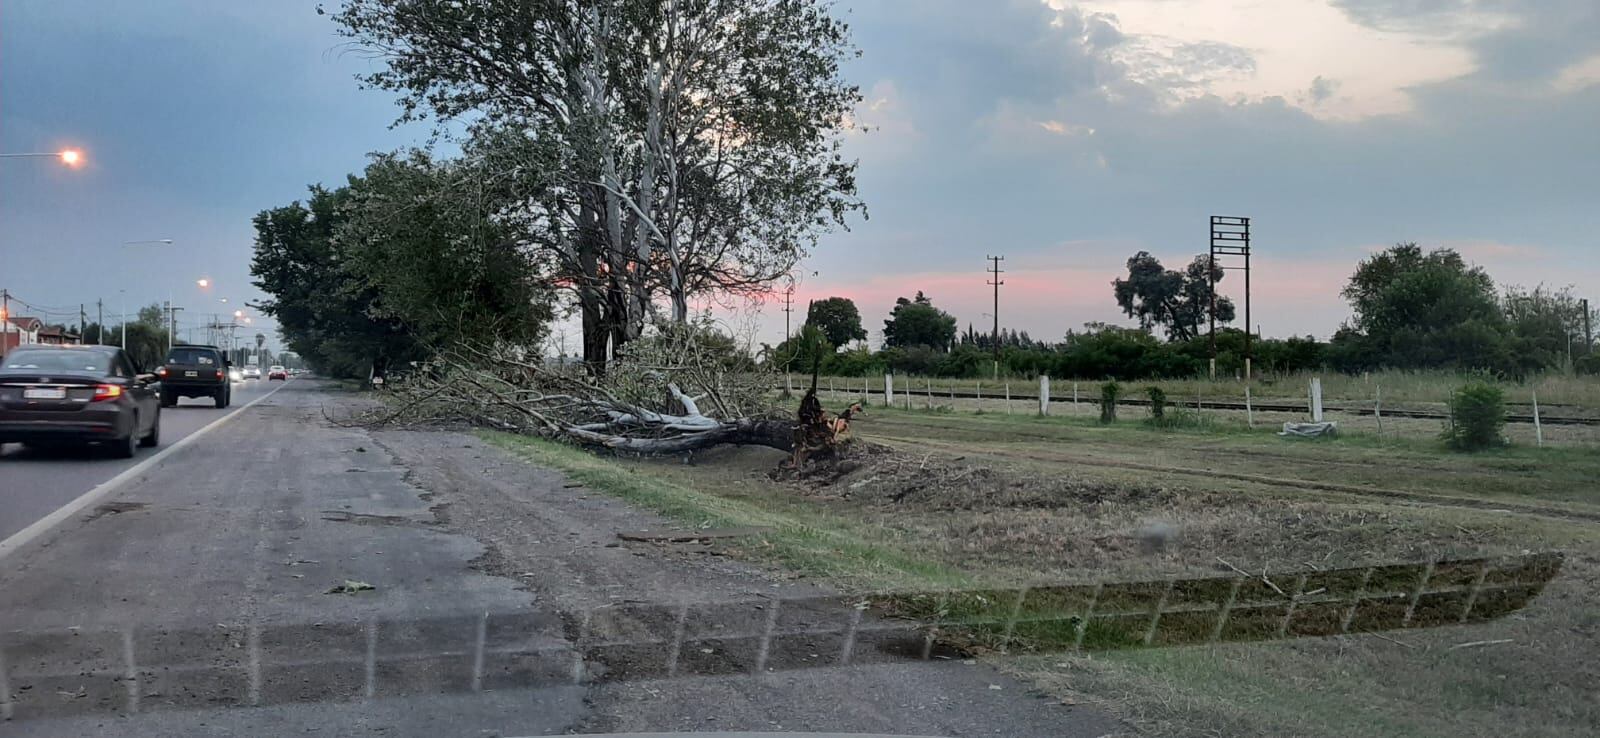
277, 372
235, 375
252, 372
76, 394
195, 371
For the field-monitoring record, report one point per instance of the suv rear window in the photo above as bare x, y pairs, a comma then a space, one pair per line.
203, 357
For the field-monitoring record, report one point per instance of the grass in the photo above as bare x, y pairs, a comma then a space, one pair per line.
1561, 475
803, 539
1040, 513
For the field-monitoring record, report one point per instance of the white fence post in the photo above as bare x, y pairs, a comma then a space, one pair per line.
1074, 398
1008, 398
1044, 394
1538, 428
888, 390
1316, 399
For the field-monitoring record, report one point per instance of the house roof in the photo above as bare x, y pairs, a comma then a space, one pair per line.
26, 322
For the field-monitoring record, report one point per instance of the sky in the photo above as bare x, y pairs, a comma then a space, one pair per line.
1063, 135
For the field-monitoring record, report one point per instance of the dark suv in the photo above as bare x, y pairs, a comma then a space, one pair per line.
195, 371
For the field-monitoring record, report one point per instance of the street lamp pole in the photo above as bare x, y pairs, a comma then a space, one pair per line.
171, 310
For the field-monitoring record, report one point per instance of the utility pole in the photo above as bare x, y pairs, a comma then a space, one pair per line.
5, 320
1230, 237
1588, 333
994, 269
788, 307
100, 321
172, 324
83, 320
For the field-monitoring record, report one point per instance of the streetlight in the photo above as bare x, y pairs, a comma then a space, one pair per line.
172, 310
204, 283
69, 157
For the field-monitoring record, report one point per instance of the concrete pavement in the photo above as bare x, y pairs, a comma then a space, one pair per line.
33, 482
196, 600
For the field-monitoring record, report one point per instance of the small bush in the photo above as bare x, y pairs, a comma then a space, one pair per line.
1109, 392
1158, 403
1477, 415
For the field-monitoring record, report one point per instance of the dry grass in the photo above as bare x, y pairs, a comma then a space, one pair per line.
1000, 501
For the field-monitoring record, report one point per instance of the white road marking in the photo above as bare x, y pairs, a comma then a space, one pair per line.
100, 491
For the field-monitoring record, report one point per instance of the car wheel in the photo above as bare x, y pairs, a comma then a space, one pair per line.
221, 398
168, 399
153, 438
125, 448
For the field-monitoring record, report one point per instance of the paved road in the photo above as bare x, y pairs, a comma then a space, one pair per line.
33, 483
223, 591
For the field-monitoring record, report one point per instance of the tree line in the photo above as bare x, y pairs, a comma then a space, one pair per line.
1411, 309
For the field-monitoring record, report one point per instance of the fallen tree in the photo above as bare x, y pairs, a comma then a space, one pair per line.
672, 393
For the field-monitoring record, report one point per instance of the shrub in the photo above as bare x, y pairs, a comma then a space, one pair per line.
1108, 401
1158, 403
1477, 415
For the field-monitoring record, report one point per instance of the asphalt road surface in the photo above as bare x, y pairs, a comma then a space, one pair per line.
283, 575
33, 483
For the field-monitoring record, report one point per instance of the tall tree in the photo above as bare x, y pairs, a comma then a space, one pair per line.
1416, 309
838, 319
664, 147
916, 322
421, 235
323, 308
1180, 302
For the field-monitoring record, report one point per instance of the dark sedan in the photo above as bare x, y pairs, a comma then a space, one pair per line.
77, 394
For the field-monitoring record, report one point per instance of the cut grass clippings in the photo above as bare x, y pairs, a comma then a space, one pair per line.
812, 543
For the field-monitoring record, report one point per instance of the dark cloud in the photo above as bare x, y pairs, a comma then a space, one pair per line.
1322, 88
1512, 40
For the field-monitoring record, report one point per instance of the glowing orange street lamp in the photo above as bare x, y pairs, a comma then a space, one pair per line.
203, 282
69, 157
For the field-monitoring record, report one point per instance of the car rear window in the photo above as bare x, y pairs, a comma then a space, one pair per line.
58, 361
192, 356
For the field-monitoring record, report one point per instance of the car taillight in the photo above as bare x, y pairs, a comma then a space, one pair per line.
161, 372
219, 374
106, 392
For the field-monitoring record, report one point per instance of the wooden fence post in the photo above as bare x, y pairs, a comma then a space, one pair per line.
1377, 409
1249, 412
1008, 398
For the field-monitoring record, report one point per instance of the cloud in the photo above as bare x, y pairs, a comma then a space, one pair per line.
1322, 89
1511, 40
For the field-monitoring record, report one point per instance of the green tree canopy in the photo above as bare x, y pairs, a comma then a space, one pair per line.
916, 322
1180, 302
1416, 309
838, 319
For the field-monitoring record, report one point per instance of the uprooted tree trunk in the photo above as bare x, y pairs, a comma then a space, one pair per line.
639, 407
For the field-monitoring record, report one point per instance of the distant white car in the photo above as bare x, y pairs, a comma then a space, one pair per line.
277, 372
252, 372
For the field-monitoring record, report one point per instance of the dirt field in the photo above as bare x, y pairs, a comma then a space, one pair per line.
988, 500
